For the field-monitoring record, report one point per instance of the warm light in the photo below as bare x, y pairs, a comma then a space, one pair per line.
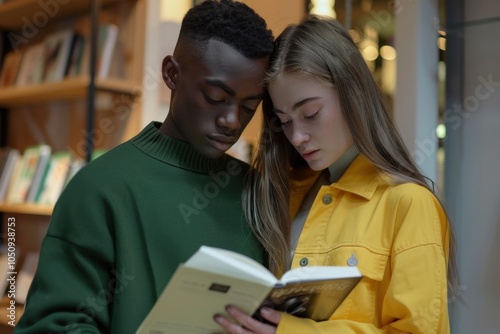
442, 32
323, 8
174, 10
388, 76
442, 71
441, 42
388, 52
441, 131
366, 5
370, 53
371, 32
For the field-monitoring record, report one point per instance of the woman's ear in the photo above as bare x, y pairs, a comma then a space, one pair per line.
170, 69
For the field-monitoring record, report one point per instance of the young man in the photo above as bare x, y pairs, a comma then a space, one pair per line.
127, 220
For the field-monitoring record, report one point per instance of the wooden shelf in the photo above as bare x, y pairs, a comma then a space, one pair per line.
68, 89
30, 209
12, 12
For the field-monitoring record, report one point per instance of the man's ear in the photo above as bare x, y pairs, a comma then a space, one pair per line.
170, 70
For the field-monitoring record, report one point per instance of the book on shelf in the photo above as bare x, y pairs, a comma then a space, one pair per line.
57, 54
54, 178
6, 267
41, 169
106, 44
75, 62
30, 170
8, 161
75, 165
10, 68
214, 278
32, 64
25, 276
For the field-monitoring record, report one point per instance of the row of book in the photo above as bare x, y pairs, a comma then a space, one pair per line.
36, 176
61, 54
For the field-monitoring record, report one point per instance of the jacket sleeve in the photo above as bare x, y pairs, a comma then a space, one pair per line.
415, 298
74, 284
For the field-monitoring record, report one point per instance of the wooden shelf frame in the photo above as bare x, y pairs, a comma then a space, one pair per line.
31, 209
67, 89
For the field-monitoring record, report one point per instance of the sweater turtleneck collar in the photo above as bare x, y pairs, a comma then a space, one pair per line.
338, 168
174, 152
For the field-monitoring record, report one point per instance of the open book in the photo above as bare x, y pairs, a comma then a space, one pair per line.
214, 278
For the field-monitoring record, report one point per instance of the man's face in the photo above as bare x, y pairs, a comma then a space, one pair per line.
214, 95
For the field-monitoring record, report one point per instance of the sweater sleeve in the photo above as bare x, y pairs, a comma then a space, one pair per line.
75, 281
415, 300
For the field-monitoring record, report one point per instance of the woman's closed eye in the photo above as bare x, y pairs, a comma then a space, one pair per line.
313, 116
285, 122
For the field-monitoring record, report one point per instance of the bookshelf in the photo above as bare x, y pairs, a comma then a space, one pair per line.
76, 111
68, 89
31, 209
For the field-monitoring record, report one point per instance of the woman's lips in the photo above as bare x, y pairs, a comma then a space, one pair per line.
309, 155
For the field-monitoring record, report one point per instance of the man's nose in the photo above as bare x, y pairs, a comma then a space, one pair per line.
230, 118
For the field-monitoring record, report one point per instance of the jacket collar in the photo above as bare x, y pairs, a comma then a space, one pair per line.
361, 178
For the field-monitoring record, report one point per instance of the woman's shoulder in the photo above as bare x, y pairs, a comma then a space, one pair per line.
417, 213
408, 193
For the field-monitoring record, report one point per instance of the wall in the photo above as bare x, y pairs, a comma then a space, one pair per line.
416, 96
472, 160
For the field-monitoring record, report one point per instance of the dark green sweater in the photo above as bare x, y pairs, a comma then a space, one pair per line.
121, 228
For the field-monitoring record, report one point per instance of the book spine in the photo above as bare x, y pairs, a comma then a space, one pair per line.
109, 39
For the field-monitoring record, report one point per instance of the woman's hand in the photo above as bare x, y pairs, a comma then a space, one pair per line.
246, 324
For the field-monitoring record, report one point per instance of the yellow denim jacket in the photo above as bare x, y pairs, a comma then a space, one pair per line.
398, 236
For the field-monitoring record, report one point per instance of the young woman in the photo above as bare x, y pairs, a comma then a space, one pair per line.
333, 184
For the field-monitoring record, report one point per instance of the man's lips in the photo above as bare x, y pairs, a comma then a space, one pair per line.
222, 142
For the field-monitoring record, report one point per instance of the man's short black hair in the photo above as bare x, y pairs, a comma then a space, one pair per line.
231, 22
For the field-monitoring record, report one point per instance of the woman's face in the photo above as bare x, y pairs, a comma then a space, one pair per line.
311, 118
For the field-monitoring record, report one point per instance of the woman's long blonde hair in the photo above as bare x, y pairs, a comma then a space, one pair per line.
320, 48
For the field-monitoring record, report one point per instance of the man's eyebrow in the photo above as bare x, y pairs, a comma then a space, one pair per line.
298, 104
221, 85
227, 89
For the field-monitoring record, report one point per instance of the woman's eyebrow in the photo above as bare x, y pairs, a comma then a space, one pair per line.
299, 104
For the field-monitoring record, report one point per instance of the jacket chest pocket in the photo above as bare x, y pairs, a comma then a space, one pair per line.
367, 296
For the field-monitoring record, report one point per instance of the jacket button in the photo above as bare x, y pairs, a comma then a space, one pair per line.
352, 261
327, 199
303, 262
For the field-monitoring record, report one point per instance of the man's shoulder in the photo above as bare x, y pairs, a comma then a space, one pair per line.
110, 163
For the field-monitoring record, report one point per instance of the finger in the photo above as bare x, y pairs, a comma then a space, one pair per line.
270, 315
250, 323
229, 326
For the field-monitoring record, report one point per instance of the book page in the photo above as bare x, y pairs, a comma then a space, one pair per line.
230, 263
317, 273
